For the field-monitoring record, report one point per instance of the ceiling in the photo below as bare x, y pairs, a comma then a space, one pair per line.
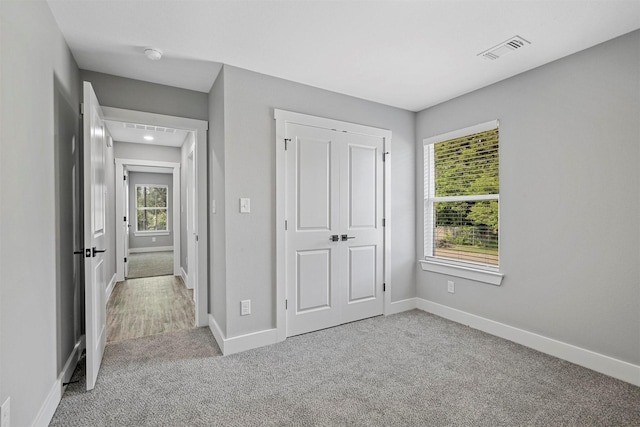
135, 133
408, 54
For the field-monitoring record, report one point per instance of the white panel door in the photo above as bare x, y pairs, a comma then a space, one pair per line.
94, 233
127, 221
334, 237
312, 269
361, 208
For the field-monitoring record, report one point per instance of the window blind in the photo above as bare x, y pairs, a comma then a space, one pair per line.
462, 198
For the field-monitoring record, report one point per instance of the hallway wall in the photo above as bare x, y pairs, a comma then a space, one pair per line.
33, 55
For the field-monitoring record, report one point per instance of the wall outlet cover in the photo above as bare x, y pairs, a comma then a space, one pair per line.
451, 287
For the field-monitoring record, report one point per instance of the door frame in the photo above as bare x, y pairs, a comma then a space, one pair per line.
120, 211
283, 117
199, 128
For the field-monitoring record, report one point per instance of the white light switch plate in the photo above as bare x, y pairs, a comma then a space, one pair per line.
245, 205
213, 206
245, 307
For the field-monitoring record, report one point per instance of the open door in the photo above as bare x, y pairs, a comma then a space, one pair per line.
94, 233
126, 225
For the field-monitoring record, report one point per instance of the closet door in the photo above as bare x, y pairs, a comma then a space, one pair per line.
334, 236
313, 218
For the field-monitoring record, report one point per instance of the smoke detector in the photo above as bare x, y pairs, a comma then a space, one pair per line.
507, 46
153, 53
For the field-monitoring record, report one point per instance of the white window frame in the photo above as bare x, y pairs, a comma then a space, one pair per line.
139, 233
464, 269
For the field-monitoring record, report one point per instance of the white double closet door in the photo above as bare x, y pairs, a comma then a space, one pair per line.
334, 236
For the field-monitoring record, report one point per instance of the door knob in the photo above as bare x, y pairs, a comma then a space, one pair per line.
345, 237
95, 251
80, 252
334, 238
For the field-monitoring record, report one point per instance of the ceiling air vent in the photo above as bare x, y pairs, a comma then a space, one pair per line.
514, 43
148, 127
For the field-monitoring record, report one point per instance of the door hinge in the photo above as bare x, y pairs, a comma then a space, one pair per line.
125, 219
124, 177
82, 108
286, 225
286, 304
384, 222
384, 287
384, 156
286, 143
125, 259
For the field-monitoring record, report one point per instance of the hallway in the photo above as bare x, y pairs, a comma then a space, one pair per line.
149, 306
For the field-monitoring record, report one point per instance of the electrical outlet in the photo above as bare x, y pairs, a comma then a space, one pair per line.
451, 287
5, 413
245, 307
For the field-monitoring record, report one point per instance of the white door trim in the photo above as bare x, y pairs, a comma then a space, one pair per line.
283, 117
120, 213
199, 127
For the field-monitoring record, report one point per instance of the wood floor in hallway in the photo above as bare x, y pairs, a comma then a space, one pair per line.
149, 306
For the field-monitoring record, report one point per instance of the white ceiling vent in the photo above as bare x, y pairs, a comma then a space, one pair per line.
514, 43
148, 127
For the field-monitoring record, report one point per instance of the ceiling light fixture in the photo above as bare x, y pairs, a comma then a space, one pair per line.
148, 137
153, 53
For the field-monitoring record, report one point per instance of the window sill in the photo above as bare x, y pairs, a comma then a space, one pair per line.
477, 274
150, 233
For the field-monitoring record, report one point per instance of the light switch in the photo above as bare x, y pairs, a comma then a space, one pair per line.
213, 206
245, 205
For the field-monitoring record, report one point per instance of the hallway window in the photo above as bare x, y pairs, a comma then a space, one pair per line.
152, 209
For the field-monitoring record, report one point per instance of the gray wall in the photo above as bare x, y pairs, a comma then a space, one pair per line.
569, 200
249, 158
69, 233
28, 291
135, 178
121, 92
217, 234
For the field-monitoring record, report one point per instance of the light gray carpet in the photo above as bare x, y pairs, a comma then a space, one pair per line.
410, 369
149, 264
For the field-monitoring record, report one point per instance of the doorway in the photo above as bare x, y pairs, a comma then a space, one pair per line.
189, 176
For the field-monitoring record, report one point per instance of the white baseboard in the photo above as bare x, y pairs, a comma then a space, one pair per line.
152, 249
400, 306
49, 406
243, 342
595, 361
112, 284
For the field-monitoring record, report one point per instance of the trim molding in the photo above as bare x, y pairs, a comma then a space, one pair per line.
589, 359
400, 306
112, 284
152, 249
242, 342
49, 406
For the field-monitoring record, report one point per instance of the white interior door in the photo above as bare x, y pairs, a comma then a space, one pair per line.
126, 226
192, 272
94, 233
334, 236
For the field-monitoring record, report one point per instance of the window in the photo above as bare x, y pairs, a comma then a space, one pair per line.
151, 206
461, 198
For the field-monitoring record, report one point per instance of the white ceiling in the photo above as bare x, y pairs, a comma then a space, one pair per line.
408, 54
135, 133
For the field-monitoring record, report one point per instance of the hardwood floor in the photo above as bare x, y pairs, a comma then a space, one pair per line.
149, 306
